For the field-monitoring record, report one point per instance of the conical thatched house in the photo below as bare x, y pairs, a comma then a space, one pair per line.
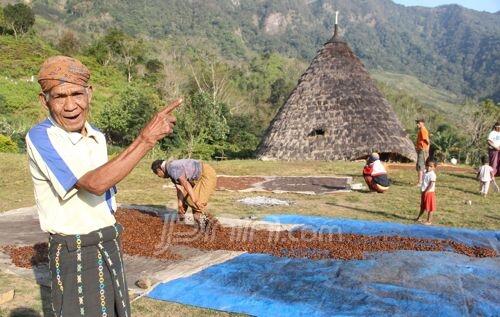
335, 112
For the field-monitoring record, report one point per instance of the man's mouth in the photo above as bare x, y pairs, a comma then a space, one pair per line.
72, 118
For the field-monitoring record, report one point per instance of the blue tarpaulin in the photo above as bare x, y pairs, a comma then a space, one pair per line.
402, 283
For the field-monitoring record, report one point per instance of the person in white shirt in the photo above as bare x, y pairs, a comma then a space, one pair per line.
375, 174
74, 187
485, 176
428, 196
494, 149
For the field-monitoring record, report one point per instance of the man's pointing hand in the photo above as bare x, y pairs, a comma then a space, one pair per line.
161, 125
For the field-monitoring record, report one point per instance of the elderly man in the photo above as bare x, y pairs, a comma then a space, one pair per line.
494, 149
74, 189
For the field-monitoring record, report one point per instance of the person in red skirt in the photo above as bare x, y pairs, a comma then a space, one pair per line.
428, 199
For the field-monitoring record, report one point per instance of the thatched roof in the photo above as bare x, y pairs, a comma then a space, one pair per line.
335, 112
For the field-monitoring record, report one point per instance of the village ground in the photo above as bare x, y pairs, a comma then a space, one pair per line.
455, 188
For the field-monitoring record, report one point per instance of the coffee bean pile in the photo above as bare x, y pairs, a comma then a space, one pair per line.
142, 235
148, 235
27, 256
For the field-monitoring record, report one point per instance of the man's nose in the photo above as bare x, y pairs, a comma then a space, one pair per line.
69, 103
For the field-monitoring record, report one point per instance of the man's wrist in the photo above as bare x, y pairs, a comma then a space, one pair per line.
151, 142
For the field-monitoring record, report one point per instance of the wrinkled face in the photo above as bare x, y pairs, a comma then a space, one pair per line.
69, 105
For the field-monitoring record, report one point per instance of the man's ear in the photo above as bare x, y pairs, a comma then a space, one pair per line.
43, 100
90, 92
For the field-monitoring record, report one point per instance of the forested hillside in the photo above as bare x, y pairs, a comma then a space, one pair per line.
234, 62
448, 47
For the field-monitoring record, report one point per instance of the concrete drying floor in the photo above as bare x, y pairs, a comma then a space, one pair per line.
21, 227
285, 184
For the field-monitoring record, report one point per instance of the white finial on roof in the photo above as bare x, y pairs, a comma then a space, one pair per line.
336, 17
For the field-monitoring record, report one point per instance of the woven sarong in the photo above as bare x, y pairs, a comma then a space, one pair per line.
87, 275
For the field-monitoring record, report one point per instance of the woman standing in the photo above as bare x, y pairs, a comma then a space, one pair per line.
494, 149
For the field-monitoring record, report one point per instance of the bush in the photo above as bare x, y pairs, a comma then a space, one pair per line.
122, 121
243, 138
7, 145
201, 128
19, 18
68, 44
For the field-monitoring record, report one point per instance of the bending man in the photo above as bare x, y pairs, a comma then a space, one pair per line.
74, 189
195, 182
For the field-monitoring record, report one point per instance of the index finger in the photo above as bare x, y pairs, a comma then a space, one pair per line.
168, 109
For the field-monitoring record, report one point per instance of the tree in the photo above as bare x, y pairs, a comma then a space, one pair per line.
154, 66
210, 76
477, 123
3, 28
118, 47
201, 127
132, 52
19, 18
124, 49
68, 43
280, 90
244, 136
122, 121
445, 142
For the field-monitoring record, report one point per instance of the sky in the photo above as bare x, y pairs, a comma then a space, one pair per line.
480, 5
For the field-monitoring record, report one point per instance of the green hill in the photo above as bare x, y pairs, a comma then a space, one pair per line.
437, 99
21, 59
449, 47
242, 83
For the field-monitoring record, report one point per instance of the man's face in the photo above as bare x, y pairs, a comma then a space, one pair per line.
159, 172
497, 128
69, 105
419, 124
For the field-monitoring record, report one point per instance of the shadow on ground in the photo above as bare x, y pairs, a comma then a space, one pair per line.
461, 190
24, 312
381, 213
464, 176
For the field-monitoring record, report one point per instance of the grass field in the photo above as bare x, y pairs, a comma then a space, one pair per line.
399, 204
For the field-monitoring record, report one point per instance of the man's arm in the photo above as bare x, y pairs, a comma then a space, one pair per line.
180, 197
104, 177
189, 189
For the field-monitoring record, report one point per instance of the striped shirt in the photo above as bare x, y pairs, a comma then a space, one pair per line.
57, 159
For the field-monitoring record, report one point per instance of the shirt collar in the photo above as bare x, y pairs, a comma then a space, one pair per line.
75, 137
